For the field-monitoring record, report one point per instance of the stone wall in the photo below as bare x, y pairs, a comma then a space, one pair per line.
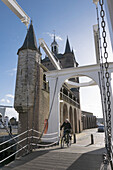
31, 100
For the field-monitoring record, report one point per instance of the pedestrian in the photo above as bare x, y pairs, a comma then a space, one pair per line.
10, 128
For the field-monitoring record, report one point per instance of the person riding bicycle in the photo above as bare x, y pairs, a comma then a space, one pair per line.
67, 127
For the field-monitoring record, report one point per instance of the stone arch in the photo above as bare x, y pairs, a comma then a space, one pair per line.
65, 112
71, 117
76, 120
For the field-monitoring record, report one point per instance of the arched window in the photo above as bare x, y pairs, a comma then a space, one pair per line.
55, 48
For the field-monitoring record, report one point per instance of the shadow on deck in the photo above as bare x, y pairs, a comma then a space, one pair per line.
60, 159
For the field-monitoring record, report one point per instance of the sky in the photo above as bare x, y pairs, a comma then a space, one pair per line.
72, 18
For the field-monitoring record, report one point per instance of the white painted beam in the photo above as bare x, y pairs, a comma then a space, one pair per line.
96, 40
75, 84
109, 12
78, 71
15, 7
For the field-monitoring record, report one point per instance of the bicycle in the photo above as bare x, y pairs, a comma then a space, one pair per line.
66, 139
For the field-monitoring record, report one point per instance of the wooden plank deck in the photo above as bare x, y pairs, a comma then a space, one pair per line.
80, 156
76, 157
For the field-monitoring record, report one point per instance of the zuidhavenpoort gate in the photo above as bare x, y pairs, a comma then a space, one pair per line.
35, 98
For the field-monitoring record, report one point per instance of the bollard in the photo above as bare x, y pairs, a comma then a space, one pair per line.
74, 138
92, 140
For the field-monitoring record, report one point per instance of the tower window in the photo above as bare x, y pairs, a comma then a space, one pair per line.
52, 49
55, 48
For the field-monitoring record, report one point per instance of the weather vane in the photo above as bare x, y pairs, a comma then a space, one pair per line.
54, 34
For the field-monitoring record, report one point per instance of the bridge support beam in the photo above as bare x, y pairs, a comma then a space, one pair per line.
57, 77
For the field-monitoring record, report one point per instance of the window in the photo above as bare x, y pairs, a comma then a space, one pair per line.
55, 48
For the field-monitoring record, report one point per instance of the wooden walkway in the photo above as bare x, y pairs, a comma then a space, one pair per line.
80, 156
74, 158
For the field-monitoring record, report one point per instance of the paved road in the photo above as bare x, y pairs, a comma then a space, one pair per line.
84, 138
80, 156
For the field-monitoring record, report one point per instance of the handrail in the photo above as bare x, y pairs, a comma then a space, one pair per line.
13, 138
18, 142
13, 145
13, 154
37, 131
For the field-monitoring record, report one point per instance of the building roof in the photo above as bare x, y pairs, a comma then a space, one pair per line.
57, 56
30, 40
67, 48
61, 56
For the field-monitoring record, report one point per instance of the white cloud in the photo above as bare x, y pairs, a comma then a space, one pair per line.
57, 37
5, 101
10, 96
11, 112
2, 100
12, 71
8, 99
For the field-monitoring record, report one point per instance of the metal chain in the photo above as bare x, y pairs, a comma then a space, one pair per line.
102, 80
107, 80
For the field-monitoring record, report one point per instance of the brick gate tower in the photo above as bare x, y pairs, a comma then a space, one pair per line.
29, 95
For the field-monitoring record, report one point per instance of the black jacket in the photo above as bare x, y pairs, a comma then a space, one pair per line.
66, 126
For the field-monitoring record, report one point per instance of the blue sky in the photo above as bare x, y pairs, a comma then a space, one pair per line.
72, 18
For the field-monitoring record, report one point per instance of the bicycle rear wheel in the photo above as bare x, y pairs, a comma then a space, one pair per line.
62, 142
68, 141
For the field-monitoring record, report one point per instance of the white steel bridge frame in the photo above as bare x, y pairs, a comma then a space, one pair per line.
91, 71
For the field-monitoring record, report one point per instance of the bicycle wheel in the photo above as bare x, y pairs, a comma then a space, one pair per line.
70, 142
67, 140
62, 142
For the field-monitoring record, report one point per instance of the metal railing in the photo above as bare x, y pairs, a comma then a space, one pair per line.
20, 143
69, 100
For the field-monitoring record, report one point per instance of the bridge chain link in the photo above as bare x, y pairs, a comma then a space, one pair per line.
102, 78
107, 99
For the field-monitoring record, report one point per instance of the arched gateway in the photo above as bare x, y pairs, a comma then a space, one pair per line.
57, 77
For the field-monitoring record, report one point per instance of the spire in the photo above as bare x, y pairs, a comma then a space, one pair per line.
30, 40
67, 49
54, 35
54, 45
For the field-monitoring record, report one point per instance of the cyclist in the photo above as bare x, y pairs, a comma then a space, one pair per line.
67, 127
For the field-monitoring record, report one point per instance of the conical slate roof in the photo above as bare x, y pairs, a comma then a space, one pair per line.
72, 52
67, 49
30, 40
